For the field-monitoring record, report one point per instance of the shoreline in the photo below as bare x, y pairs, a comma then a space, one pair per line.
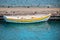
30, 10
55, 11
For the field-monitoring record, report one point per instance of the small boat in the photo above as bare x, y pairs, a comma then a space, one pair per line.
27, 18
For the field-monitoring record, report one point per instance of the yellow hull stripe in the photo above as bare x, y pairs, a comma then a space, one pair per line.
27, 20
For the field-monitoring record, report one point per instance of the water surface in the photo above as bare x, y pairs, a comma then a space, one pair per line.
35, 31
53, 3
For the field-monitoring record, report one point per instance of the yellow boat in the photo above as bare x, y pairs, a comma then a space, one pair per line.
27, 18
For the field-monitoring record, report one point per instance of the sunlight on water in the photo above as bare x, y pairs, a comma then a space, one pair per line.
35, 31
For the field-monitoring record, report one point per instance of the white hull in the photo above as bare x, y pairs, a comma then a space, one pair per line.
27, 18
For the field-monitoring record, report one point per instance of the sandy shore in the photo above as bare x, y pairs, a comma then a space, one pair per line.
54, 11
29, 9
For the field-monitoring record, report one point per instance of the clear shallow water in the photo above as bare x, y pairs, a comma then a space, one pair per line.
30, 2
37, 31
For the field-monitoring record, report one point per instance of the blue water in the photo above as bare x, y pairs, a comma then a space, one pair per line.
35, 31
29, 2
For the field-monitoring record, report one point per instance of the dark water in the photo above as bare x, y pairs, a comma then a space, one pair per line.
37, 31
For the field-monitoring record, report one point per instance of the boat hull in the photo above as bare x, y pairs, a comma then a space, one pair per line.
45, 18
